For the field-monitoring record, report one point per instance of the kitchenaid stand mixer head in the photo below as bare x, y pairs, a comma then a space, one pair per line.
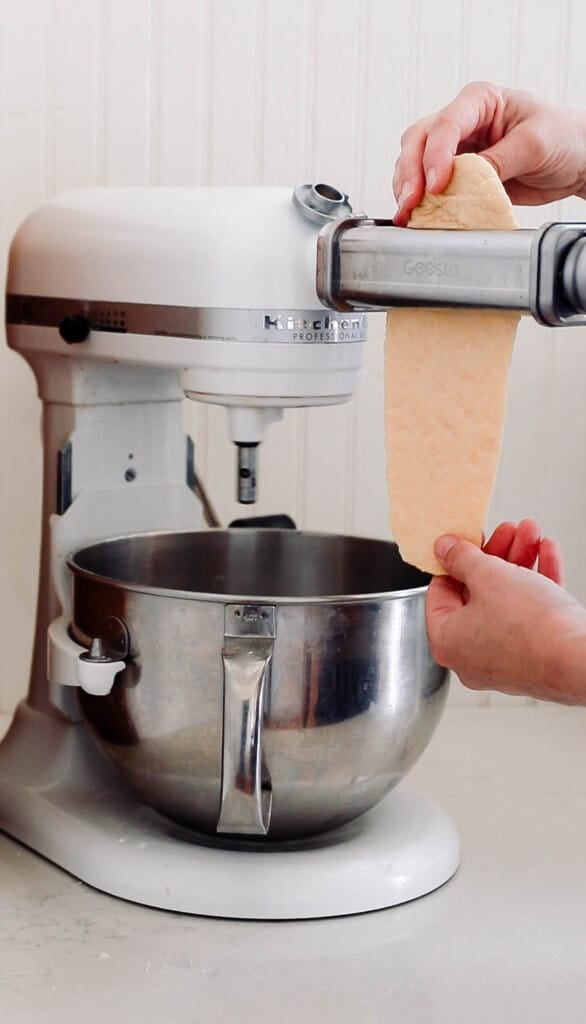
217, 283
116, 297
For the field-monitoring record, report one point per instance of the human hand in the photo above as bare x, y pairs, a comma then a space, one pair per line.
537, 150
524, 546
499, 625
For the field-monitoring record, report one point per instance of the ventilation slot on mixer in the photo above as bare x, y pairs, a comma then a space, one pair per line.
113, 320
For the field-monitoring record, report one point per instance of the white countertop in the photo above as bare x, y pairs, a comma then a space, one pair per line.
503, 941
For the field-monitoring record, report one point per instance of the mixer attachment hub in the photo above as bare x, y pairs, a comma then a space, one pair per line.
321, 203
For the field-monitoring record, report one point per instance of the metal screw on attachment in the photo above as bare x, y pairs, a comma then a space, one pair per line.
97, 653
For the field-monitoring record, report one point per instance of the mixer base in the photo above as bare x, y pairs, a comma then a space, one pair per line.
63, 800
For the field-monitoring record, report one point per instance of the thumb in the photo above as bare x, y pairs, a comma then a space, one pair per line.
458, 557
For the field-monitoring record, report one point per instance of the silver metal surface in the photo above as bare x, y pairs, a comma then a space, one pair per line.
281, 326
575, 274
560, 293
245, 807
321, 203
370, 264
351, 700
246, 473
96, 652
373, 263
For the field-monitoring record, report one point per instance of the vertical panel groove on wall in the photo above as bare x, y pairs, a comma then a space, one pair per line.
463, 56
154, 89
100, 90
259, 88
206, 57
563, 53
48, 100
514, 38
362, 88
413, 59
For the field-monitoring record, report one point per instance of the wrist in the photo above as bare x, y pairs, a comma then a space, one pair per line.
566, 663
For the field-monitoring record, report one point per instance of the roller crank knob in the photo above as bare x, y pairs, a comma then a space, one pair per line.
75, 329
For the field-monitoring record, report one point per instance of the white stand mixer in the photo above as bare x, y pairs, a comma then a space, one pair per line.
112, 296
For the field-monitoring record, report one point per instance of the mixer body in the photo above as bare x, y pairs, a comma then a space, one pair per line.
154, 758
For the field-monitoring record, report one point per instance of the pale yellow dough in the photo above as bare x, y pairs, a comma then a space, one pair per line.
446, 374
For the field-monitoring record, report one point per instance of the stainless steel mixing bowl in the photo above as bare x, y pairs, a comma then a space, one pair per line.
278, 683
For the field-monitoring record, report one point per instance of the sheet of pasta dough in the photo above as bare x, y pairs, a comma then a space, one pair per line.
446, 374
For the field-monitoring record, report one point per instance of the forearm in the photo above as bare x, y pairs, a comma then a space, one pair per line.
566, 664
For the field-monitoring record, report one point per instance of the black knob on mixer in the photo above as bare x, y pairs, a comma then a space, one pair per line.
74, 329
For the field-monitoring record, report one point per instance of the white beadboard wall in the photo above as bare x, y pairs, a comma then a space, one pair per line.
277, 91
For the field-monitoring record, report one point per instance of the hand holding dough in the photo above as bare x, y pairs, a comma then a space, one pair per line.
446, 375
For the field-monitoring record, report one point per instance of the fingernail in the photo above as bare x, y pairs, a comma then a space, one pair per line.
444, 545
431, 178
404, 194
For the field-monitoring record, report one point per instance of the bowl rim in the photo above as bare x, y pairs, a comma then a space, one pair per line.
236, 598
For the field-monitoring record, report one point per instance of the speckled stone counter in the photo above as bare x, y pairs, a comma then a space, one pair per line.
503, 941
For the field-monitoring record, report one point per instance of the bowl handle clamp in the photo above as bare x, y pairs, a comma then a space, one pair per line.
246, 796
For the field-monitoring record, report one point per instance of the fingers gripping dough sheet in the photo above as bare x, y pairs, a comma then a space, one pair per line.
446, 374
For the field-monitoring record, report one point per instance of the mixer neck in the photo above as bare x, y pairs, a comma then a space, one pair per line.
116, 461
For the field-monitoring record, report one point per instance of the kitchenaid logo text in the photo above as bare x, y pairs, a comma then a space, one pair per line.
430, 268
325, 328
